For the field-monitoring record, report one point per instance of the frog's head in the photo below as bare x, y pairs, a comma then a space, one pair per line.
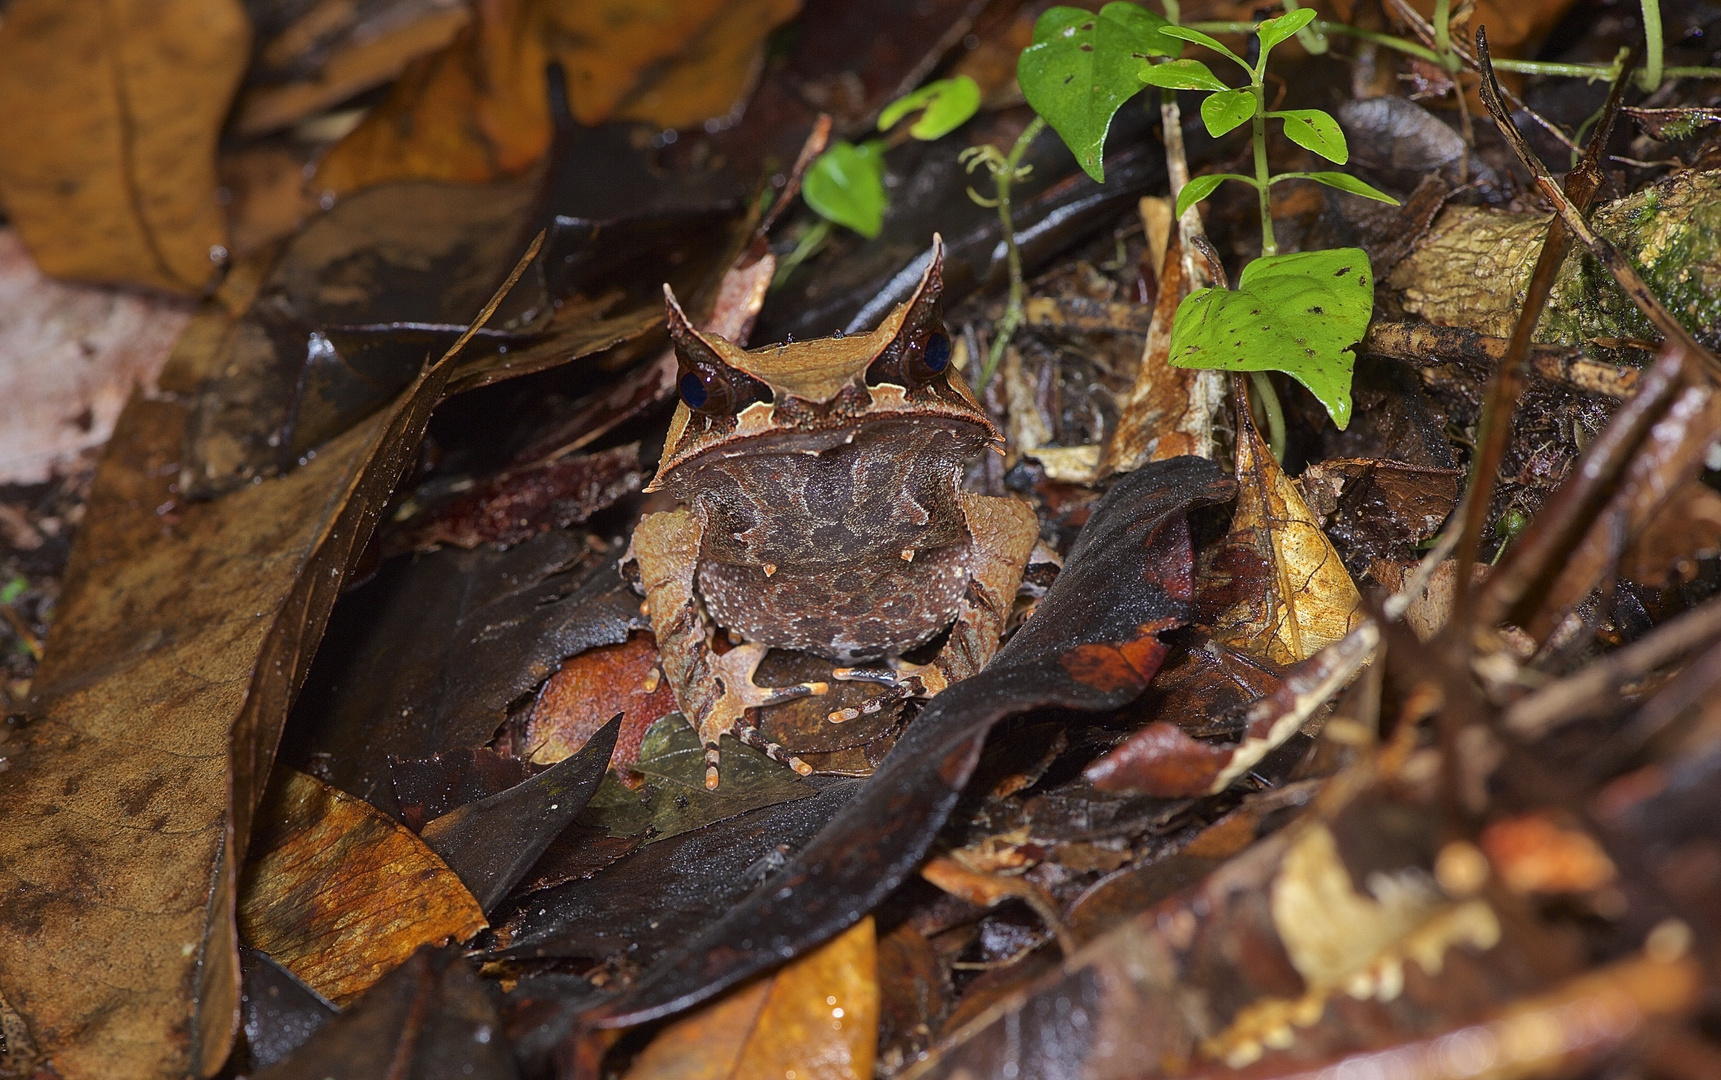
729, 394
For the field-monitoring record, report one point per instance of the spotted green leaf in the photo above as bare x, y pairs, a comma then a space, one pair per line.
1299, 314
1223, 111
947, 104
1317, 131
1181, 75
1273, 31
846, 185
1083, 66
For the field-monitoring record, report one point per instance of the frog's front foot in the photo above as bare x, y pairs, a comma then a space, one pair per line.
734, 671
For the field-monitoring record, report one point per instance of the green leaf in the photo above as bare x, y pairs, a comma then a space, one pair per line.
1342, 181
948, 104
1273, 31
1223, 111
1082, 67
1317, 131
1299, 314
1181, 75
1183, 33
1199, 187
846, 185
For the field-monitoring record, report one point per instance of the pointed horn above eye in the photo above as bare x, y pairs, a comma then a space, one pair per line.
707, 378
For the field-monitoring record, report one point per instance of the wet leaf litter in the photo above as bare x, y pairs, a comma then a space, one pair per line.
1352, 703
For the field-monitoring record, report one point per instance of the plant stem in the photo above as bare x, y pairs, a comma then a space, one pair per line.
810, 242
1003, 178
1269, 402
1652, 46
1591, 72
1443, 35
1263, 184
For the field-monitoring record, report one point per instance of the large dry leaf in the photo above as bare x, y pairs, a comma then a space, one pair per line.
339, 893
477, 109
69, 356
816, 1019
107, 154
183, 632
1284, 590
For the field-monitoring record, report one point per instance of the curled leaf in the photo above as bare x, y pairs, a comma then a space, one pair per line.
946, 105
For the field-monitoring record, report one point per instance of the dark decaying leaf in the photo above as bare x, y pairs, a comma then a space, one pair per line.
664, 894
430, 254
426, 657
426, 788
430, 1019
491, 843
518, 504
1091, 645
277, 1011
339, 894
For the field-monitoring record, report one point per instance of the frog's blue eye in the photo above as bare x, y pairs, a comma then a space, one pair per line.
693, 391
937, 353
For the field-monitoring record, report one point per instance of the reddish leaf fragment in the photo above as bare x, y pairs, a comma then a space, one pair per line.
521, 503
1162, 760
592, 687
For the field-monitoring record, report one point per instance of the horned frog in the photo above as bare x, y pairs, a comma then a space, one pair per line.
821, 510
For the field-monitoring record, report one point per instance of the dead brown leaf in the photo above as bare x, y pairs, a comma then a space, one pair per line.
1685, 529
183, 632
339, 893
107, 155
477, 109
351, 55
1281, 589
816, 1019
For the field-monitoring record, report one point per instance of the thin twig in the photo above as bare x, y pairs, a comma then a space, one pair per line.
1507, 382
1422, 29
1593, 691
1616, 264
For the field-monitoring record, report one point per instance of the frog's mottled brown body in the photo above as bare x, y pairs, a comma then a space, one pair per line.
822, 511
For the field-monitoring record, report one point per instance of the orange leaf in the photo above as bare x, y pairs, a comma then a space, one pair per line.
107, 154
478, 109
341, 894
816, 1019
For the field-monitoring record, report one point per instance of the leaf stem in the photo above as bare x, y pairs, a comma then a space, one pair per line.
1263, 183
1591, 72
1003, 177
1652, 46
1268, 398
1443, 35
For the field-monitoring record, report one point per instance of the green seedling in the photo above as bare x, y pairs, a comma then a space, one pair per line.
846, 184
1300, 314
1078, 72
